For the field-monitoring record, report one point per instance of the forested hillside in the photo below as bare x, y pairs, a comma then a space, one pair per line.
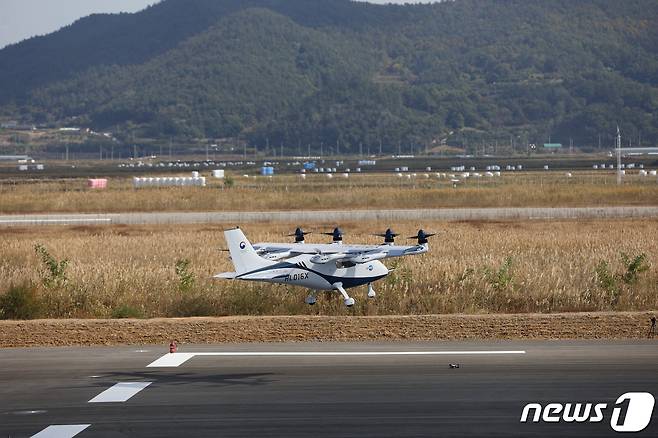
334, 71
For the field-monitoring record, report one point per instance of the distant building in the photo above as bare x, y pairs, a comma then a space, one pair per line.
23, 158
17, 126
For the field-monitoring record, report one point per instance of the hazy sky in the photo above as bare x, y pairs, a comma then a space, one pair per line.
21, 19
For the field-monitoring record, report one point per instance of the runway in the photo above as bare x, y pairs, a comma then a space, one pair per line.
334, 216
350, 390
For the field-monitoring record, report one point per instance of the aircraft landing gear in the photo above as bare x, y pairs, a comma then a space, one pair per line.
371, 292
349, 302
310, 299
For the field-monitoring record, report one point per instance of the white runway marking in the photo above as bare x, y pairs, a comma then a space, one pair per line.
177, 359
120, 392
61, 431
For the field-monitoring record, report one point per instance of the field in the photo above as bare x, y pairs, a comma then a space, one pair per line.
473, 267
372, 191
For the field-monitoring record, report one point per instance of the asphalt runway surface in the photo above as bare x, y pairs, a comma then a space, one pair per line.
336, 216
318, 389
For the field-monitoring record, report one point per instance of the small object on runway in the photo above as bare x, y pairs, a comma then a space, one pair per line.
172, 347
454, 365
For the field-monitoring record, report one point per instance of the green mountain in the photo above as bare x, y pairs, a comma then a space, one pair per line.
295, 72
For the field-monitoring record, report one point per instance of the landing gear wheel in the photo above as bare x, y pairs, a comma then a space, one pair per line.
371, 292
349, 302
310, 300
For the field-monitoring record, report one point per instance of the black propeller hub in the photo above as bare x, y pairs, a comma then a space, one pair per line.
299, 235
389, 236
337, 235
422, 237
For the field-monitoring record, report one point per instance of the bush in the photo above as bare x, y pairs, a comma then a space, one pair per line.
501, 278
185, 277
634, 267
20, 302
126, 311
54, 274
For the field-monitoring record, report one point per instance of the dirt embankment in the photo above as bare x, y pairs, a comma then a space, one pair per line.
608, 325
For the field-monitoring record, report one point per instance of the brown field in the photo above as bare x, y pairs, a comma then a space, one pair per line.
126, 271
237, 329
286, 192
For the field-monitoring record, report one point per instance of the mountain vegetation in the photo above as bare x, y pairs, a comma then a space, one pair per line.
348, 75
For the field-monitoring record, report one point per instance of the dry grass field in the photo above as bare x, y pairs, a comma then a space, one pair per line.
378, 191
472, 267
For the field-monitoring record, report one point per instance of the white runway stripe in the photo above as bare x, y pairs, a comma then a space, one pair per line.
177, 359
120, 392
61, 431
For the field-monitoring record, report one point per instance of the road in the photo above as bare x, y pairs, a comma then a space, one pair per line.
349, 390
333, 216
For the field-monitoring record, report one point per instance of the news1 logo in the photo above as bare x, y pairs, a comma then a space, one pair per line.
631, 412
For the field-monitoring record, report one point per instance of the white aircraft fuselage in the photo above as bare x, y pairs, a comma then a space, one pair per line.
300, 271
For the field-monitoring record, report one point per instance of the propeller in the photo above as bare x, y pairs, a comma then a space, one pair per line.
422, 237
299, 235
389, 236
337, 235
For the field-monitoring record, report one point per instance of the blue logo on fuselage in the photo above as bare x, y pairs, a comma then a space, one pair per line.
243, 245
370, 267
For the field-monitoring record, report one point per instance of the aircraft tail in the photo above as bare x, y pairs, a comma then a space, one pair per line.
243, 255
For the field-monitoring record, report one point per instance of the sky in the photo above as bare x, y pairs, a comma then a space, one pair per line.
22, 19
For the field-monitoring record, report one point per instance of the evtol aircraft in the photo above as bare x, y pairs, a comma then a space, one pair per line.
318, 267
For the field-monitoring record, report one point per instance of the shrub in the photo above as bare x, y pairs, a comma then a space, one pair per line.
126, 311
20, 302
501, 278
633, 267
185, 277
54, 274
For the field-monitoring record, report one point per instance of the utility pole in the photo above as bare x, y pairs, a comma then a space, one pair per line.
321, 149
67, 152
380, 146
618, 156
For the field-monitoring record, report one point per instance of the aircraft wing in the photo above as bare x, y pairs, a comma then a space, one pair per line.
324, 253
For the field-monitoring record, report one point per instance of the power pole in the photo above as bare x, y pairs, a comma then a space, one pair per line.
618, 156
